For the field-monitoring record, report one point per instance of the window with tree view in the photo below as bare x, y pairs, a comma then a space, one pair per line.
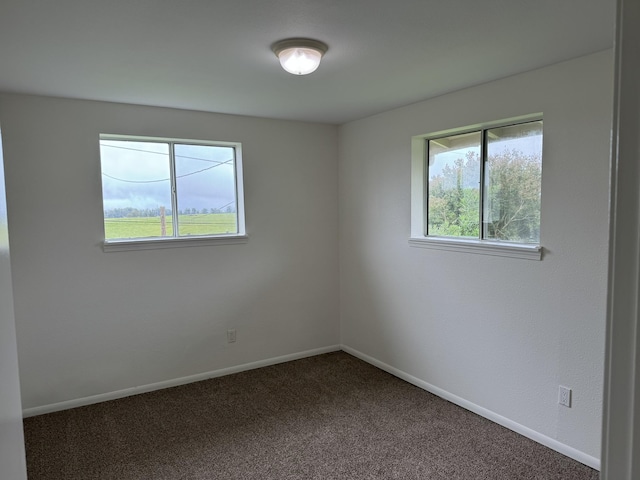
486, 184
154, 189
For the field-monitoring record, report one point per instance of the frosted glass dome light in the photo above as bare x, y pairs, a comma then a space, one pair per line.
300, 61
299, 56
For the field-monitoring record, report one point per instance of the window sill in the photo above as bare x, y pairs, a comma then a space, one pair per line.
156, 243
481, 247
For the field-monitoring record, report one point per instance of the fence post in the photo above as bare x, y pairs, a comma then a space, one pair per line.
163, 222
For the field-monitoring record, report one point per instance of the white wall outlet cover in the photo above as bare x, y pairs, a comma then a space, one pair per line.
564, 396
231, 336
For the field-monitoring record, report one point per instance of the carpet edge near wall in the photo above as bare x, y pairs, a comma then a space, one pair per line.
151, 387
534, 435
538, 437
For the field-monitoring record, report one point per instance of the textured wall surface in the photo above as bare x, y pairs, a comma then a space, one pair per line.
501, 333
90, 322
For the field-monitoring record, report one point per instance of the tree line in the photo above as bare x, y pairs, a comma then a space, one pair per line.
130, 212
512, 198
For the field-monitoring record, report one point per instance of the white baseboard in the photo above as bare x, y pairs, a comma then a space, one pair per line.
103, 397
483, 412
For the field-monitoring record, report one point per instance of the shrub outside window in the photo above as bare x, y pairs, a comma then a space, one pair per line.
164, 189
486, 184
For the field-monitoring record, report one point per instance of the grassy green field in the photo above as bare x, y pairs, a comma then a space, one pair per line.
141, 227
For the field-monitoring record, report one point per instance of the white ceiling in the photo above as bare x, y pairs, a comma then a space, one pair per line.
214, 55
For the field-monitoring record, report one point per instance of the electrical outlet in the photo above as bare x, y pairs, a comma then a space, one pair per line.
231, 336
564, 396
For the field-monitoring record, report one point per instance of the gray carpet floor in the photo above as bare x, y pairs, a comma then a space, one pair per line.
326, 417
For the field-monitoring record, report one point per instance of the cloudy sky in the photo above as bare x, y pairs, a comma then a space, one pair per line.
137, 175
526, 138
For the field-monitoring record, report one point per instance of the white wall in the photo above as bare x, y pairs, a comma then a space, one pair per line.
12, 457
90, 322
500, 333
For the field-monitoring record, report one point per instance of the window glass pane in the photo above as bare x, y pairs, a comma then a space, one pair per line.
513, 173
205, 184
136, 189
454, 186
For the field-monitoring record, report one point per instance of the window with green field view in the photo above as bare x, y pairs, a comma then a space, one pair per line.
486, 184
158, 189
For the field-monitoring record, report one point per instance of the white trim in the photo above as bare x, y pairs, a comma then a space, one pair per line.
152, 243
483, 412
417, 195
185, 141
484, 247
621, 410
240, 215
531, 117
165, 242
127, 392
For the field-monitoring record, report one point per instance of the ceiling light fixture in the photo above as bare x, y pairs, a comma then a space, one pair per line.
299, 56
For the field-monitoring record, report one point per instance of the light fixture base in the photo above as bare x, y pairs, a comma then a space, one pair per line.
281, 45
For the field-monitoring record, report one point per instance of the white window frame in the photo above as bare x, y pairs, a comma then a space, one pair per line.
419, 172
150, 243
